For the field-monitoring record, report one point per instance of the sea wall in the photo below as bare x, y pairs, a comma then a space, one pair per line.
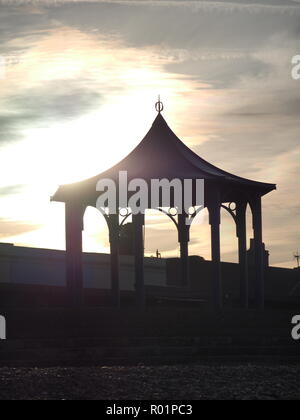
32, 266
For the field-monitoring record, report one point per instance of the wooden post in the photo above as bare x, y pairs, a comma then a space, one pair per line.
138, 222
74, 269
114, 259
214, 209
184, 237
256, 206
243, 263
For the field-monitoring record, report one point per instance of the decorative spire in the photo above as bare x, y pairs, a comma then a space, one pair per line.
159, 106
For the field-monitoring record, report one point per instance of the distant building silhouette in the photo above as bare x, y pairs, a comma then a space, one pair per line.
251, 254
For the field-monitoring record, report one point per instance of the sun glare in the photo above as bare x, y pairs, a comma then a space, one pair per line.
51, 153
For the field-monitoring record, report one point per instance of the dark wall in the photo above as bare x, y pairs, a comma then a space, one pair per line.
281, 283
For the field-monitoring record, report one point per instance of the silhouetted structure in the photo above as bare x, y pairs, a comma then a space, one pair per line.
251, 254
297, 258
126, 243
162, 155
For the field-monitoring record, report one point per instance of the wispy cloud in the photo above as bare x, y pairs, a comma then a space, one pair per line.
233, 5
55, 101
11, 189
253, 6
11, 228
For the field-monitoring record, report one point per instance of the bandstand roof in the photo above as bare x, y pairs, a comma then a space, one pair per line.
161, 154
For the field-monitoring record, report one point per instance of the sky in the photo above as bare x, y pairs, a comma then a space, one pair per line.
77, 94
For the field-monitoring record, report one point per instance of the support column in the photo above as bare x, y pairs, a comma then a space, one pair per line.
215, 220
74, 269
256, 206
184, 238
138, 223
114, 260
241, 208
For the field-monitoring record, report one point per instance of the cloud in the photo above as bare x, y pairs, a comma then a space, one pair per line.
11, 190
179, 24
23, 25
222, 71
181, 3
174, 23
11, 228
55, 101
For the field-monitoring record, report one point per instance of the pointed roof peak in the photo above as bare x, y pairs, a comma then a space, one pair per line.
159, 120
161, 127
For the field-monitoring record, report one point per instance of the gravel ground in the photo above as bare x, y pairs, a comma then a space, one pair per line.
158, 383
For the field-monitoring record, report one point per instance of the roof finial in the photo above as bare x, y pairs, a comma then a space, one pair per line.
159, 106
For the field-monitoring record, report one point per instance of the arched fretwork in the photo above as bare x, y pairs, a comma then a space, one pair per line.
115, 225
183, 223
239, 215
230, 209
238, 212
